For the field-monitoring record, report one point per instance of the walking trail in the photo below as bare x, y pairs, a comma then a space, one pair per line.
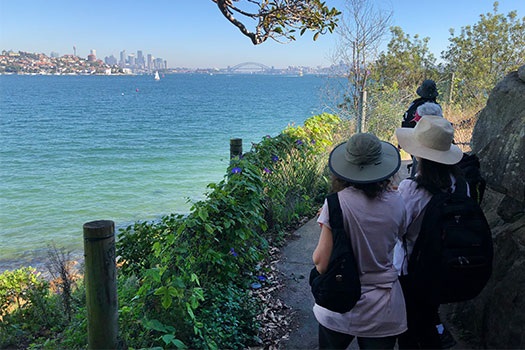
295, 265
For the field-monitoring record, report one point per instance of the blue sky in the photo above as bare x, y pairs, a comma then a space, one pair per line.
193, 33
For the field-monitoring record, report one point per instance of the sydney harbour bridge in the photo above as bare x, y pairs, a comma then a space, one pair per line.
249, 68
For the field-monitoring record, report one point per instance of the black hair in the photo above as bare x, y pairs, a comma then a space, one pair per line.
371, 190
435, 175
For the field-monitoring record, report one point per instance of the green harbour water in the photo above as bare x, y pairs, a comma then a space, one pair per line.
80, 148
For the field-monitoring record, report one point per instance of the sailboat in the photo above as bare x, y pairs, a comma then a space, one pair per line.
157, 77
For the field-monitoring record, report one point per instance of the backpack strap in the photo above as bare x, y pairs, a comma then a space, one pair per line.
341, 240
334, 210
461, 186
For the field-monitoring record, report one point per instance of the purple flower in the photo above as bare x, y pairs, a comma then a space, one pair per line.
233, 252
267, 171
275, 158
236, 170
299, 142
261, 278
313, 142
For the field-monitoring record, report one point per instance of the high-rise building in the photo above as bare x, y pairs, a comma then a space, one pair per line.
122, 62
110, 61
131, 60
150, 62
158, 63
140, 60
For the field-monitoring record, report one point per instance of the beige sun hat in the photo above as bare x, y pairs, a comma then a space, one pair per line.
430, 139
364, 159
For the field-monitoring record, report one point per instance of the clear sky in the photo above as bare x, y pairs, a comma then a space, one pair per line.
193, 33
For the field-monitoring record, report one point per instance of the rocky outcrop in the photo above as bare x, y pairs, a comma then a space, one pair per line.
496, 318
499, 135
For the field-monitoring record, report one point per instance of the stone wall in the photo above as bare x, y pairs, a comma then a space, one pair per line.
496, 318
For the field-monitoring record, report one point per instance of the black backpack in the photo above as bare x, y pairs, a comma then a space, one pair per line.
452, 256
470, 167
339, 288
411, 112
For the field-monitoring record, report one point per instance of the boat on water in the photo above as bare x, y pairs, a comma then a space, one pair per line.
157, 77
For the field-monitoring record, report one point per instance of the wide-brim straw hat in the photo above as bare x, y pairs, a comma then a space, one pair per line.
364, 159
432, 138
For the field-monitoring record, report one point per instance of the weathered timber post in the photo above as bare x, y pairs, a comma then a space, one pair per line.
363, 110
235, 148
101, 284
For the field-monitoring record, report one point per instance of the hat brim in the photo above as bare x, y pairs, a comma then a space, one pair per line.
407, 141
387, 166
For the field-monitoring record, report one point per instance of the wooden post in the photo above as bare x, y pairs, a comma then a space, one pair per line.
235, 148
363, 110
101, 284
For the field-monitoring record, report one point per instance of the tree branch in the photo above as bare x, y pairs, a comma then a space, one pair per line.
224, 7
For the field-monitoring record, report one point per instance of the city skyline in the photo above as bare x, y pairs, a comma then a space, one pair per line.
194, 34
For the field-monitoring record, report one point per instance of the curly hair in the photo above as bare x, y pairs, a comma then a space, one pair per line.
371, 190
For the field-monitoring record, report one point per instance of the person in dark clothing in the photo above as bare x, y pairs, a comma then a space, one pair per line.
427, 92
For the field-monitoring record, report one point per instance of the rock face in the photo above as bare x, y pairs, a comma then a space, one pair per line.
499, 136
496, 317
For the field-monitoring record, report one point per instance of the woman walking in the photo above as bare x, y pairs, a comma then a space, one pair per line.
431, 143
374, 219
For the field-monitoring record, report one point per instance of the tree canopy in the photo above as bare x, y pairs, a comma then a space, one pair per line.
483, 53
279, 19
407, 62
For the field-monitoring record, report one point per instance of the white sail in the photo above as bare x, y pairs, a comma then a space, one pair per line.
157, 77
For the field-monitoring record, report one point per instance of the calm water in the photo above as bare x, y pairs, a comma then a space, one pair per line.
79, 148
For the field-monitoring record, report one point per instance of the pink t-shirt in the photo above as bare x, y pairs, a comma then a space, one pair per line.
374, 225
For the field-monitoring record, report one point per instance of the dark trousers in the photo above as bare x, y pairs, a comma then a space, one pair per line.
422, 318
329, 339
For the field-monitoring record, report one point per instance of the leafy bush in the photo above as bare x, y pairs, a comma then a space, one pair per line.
22, 305
32, 316
228, 317
18, 287
183, 269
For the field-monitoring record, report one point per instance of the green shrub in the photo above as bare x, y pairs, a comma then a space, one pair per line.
23, 306
228, 317
18, 287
